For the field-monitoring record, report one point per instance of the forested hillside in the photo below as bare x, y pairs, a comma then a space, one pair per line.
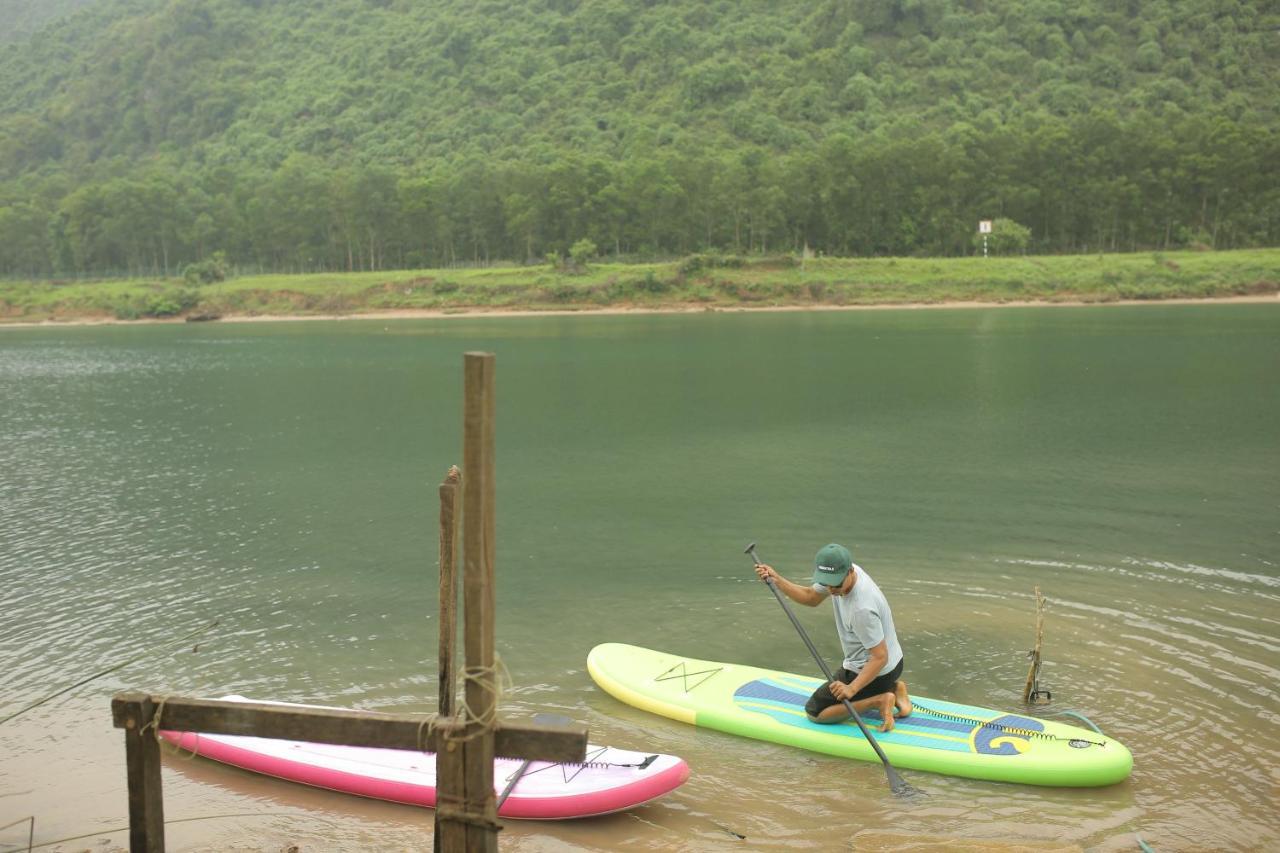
140, 135
20, 18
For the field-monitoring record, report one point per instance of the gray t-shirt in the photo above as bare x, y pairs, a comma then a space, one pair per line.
863, 619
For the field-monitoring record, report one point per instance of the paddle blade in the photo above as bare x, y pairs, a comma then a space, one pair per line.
899, 786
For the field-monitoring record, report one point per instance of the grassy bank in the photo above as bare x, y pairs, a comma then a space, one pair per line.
708, 281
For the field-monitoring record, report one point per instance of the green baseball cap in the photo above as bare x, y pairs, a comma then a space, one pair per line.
831, 564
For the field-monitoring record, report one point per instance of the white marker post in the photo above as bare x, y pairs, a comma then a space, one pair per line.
984, 228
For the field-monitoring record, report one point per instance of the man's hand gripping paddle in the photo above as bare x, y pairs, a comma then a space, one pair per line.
896, 782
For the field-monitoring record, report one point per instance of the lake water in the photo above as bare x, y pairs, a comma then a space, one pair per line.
282, 478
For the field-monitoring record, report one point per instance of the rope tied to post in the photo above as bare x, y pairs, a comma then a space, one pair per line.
454, 809
154, 723
180, 641
459, 815
495, 679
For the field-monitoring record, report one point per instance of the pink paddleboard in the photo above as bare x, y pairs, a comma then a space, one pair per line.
611, 779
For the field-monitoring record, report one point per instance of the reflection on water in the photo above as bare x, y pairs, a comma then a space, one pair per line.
282, 479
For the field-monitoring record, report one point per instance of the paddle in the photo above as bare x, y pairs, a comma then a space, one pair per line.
896, 782
539, 720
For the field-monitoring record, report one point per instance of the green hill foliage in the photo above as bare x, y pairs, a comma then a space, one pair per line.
19, 19
138, 136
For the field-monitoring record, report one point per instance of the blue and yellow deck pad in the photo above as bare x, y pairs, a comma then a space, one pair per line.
783, 699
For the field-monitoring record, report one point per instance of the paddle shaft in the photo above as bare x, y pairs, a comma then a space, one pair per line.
539, 719
895, 782
506, 792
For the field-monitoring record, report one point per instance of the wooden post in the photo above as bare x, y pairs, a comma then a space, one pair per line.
142, 757
478, 597
1031, 693
449, 766
448, 588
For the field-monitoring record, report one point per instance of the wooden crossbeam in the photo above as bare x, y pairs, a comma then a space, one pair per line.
132, 711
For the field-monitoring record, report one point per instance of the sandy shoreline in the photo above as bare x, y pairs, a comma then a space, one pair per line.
437, 314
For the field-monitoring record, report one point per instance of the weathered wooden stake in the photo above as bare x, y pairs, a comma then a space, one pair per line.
449, 766
479, 545
1031, 693
146, 802
448, 587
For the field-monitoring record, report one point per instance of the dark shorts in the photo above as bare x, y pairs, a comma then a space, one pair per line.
882, 683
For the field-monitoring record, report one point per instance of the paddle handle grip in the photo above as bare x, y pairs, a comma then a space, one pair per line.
751, 552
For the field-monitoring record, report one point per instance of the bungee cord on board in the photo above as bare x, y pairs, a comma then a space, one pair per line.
1002, 727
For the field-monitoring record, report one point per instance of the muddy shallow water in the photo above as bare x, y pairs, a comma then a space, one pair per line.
282, 478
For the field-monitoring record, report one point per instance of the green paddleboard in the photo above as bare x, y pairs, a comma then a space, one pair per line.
939, 737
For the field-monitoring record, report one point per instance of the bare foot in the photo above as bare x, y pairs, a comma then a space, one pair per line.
886, 711
902, 700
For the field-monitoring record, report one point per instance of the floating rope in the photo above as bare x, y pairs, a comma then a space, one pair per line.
31, 830
110, 670
1000, 727
102, 832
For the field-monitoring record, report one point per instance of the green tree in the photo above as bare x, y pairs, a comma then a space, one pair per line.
581, 252
25, 249
1006, 238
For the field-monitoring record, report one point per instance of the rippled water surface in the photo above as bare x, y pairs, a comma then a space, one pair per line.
282, 479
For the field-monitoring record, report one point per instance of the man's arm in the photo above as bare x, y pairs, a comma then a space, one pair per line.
878, 656
805, 595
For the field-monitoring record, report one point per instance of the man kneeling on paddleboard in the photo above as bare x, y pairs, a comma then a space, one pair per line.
872, 656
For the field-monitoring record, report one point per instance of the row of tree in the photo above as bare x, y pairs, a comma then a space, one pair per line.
1095, 182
